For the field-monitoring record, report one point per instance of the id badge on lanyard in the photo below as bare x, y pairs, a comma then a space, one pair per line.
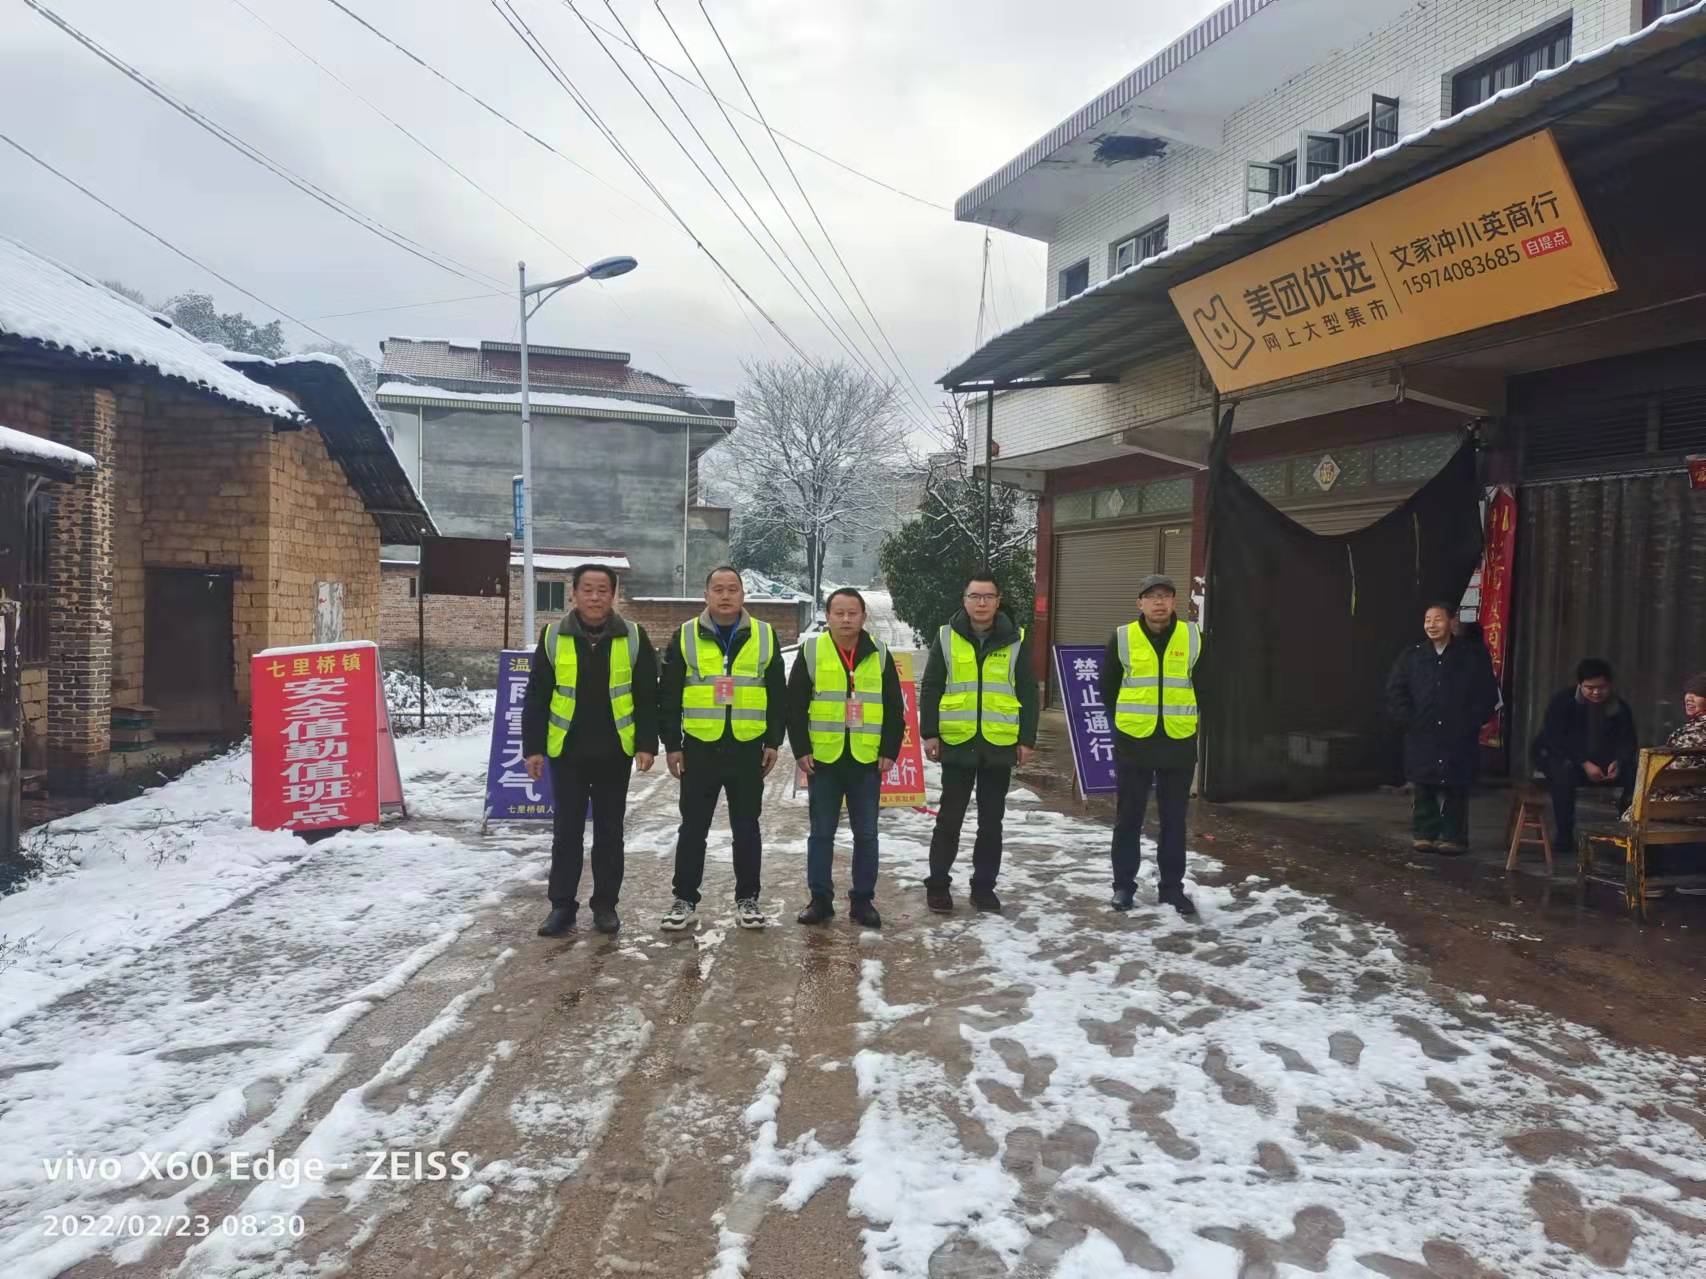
855, 714
725, 691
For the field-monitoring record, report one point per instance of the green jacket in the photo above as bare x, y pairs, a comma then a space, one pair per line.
977, 750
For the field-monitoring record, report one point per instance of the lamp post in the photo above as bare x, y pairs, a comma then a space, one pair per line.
604, 269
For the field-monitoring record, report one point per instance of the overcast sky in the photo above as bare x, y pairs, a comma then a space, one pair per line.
929, 96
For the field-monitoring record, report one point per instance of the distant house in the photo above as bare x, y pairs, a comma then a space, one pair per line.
616, 452
230, 507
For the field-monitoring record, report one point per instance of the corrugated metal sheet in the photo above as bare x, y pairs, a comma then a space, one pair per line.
1614, 568
1097, 575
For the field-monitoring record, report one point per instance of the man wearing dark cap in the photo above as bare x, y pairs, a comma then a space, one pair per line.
1150, 674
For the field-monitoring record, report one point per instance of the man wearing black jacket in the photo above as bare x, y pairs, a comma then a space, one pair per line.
846, 717
722, 714
589, 730
1587, 739
1155, 713
977, 713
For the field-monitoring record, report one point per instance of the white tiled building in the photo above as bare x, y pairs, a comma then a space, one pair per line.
1269, 117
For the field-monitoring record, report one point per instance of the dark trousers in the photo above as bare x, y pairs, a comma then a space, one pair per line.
862, 788
1440, 813
991, 782
573, 783
1564, 787
1172, 793
706, 773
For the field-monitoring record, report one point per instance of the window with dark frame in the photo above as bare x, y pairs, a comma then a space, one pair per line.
1516, 65
34, 583
414, 583
548, 597
1653, 10
1075, 279
1127, 252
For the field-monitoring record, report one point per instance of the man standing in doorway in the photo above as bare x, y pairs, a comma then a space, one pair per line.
590, 713
722, 714
1440, 692
1151, 674
977, 712
846, 717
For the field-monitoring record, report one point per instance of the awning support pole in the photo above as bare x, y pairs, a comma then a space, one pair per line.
988, 479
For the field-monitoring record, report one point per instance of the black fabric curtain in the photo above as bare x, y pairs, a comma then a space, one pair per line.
1305, 627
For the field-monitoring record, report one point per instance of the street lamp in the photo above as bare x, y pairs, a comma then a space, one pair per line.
603, 269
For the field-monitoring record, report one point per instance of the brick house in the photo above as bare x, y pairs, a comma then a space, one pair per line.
616, 451
234, 506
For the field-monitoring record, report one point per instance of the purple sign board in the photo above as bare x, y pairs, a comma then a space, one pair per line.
511, 795
1089, 723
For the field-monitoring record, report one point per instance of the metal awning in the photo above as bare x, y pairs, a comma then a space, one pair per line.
1646, 87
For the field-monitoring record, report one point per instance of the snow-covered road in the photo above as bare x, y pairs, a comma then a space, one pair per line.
1274, 1089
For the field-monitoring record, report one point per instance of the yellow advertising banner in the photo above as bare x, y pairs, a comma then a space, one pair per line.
1496, 238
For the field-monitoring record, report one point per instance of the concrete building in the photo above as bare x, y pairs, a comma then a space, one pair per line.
616, 451
234, 504
1273, 120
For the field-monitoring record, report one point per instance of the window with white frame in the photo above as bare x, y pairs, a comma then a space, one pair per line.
1321, 153
1126, 253
1653, 10
1074, 280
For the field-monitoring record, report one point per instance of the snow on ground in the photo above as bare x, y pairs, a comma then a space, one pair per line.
217, 964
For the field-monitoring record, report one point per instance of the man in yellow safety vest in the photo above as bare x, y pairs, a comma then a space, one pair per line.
977, 713
1150, 674
846, 717
722, 715
590, 710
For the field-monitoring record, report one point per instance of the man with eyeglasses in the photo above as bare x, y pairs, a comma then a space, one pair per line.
977, 712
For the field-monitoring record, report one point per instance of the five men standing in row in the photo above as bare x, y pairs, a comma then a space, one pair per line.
596, 707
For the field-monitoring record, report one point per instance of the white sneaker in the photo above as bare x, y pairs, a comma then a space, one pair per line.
748, 915
680, 916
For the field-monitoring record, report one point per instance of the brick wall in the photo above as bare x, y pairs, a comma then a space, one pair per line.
455, 623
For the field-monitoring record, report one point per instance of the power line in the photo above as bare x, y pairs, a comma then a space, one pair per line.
817, 311
523, 33
337, 205
896, 371
829, 239
162, 240
786, 137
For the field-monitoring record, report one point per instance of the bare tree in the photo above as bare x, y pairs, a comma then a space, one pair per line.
815, 452
955, 496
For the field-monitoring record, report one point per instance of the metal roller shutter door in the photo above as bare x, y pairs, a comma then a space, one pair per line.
1096, 576
1336, 521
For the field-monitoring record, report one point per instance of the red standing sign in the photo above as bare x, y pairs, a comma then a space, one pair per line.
903, 784
323, 753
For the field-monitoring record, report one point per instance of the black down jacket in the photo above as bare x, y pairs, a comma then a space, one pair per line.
1441, 700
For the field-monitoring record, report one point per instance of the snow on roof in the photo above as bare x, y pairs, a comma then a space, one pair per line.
566, 563
44, 301
759, 586
549, 399
22, 446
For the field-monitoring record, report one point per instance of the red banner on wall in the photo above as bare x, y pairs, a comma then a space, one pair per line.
1497, 564
317, 718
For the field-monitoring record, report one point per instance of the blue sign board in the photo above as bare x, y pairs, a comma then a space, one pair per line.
1089, 723
511, 795
520, 509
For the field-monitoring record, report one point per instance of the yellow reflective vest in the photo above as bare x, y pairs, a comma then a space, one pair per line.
1152, 689
565, 660
963, 711
827, 715
748, 707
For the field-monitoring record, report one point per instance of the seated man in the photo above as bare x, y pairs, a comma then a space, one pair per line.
1587, 739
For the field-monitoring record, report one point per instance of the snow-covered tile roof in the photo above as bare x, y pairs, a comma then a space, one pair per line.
46, 302
538, 399
26, 449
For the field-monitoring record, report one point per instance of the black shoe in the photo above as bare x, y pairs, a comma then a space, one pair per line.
820, 910
864, 914
1451, 848
605, 921
1175, 897
939, 900
985, 899
561, 920
1122, 899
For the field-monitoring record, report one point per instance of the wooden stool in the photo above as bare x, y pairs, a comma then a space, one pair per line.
1528, 813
